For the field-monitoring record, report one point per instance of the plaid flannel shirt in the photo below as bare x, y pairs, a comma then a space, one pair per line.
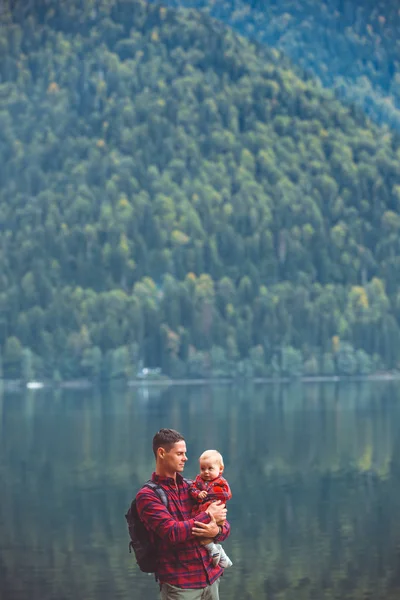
217, 489
181, 560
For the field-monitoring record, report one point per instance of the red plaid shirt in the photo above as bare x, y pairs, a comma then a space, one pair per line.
182, 561
217, 489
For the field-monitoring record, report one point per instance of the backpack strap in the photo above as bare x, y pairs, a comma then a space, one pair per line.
158, 490
161, 493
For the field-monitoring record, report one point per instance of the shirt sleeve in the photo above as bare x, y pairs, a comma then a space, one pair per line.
223, 490
195, 488
194, 492
225, 530
158, 519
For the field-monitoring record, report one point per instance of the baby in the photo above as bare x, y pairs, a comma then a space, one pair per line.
209, 486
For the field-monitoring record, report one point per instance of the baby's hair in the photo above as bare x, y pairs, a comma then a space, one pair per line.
213, 454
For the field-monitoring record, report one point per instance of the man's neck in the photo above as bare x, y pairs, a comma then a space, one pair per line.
163, 473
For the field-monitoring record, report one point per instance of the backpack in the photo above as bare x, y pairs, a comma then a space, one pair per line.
141, 540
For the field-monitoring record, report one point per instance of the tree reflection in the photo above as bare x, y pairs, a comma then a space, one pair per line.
314, 471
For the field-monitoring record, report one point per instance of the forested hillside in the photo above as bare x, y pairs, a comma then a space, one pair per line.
350, 45
173, 196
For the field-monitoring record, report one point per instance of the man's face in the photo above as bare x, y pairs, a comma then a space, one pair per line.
174, 460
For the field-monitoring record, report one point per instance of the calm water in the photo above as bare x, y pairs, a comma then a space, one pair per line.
315, 473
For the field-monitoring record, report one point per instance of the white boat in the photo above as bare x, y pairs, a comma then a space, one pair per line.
34, 385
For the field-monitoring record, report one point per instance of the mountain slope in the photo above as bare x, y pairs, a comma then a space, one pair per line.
174, 196
349, 45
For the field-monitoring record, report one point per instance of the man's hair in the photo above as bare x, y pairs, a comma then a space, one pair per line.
166, 438
213, 455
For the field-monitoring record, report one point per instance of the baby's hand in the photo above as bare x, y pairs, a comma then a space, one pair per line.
202, 494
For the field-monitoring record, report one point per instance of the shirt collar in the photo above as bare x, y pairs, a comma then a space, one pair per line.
167, 480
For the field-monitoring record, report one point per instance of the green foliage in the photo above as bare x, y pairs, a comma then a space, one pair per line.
291, 362
346, 360
27, 369
349, 46
170, 188
12, 356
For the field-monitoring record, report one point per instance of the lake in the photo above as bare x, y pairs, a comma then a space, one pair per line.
314, 470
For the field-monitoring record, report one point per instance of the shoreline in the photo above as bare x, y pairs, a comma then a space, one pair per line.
82, 384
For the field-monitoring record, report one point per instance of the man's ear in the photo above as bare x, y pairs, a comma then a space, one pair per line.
160, 452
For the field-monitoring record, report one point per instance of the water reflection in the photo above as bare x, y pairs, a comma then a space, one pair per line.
314, 471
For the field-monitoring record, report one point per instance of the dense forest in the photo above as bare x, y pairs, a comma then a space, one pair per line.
350, 45
174, 196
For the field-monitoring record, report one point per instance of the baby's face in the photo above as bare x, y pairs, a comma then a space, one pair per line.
209, 469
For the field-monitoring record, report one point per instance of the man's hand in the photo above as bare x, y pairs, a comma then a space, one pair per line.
217, 511
206, 530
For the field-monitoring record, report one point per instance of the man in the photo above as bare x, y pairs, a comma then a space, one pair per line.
184, 568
